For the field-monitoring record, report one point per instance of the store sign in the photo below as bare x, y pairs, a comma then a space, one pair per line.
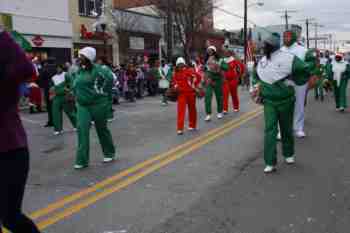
38, 41
137, 43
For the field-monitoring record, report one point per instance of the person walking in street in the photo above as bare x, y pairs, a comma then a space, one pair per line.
277, 74
47, 72
320, 72
92, 87
164, 82
60, 102
292, 46
107, 65
185, 81
339, 76
214, 82
236, 69
15, 69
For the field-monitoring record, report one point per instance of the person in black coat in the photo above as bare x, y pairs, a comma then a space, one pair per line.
47, 72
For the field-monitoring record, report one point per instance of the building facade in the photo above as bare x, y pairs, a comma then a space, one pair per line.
84, 14
45, 23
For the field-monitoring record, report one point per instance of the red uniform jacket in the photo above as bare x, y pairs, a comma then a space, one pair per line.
235, 71
186, 80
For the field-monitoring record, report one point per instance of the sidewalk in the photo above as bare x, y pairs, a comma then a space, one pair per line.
311, 197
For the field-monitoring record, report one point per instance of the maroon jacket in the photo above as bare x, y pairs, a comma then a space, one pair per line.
15, 68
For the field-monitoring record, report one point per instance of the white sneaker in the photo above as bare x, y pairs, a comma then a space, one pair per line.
220, 115
56, 133
164, 104
191, 129
79, 167
300, 134
269, 169
342, 109
208, 118
75, 130
108, 160
236, 110
180, 132
279, 136
290, 160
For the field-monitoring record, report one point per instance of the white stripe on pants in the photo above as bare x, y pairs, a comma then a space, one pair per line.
299, 112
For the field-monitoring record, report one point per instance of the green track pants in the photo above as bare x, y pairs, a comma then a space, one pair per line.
319, 90
340, 93
98, 114
281, 114
59, 106
218, 90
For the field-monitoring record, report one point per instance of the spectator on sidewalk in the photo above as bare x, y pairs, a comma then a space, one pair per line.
15, 68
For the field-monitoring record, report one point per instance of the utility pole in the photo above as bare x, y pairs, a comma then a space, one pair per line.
316, 33
169, 35
307, 23
245, 30
286, 16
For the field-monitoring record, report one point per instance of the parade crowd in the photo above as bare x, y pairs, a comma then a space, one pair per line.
87, 90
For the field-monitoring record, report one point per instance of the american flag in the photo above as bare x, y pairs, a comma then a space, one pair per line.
250, 47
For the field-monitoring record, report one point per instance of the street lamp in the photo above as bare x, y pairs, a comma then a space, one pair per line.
246, 6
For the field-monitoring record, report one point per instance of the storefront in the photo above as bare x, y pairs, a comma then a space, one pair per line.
134, 45
49, 46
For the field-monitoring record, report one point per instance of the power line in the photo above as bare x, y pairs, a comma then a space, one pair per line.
286, 16
307, 22
241, 17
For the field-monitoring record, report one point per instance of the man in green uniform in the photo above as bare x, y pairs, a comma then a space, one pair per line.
214, 82
320, 72
274, 84
92, 88
339, 74
60, 90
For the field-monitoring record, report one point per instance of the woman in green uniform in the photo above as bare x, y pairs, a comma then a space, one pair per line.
60, 103
214, 82
274, 85
92, 88
339, 74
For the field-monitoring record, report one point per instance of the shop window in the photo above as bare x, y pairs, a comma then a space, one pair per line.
90, 8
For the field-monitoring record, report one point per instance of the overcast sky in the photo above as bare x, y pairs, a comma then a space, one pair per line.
333, 14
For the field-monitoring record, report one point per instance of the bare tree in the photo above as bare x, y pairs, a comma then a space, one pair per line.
188, 17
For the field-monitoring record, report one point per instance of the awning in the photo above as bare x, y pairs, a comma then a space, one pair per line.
23, 42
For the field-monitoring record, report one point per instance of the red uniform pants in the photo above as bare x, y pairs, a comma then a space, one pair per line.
188, 99
231, 88
35, 97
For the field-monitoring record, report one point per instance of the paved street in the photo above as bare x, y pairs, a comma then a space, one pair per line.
208, 181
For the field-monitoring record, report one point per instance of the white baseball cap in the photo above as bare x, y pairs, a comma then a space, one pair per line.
89, 53
212, 48
180, 60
